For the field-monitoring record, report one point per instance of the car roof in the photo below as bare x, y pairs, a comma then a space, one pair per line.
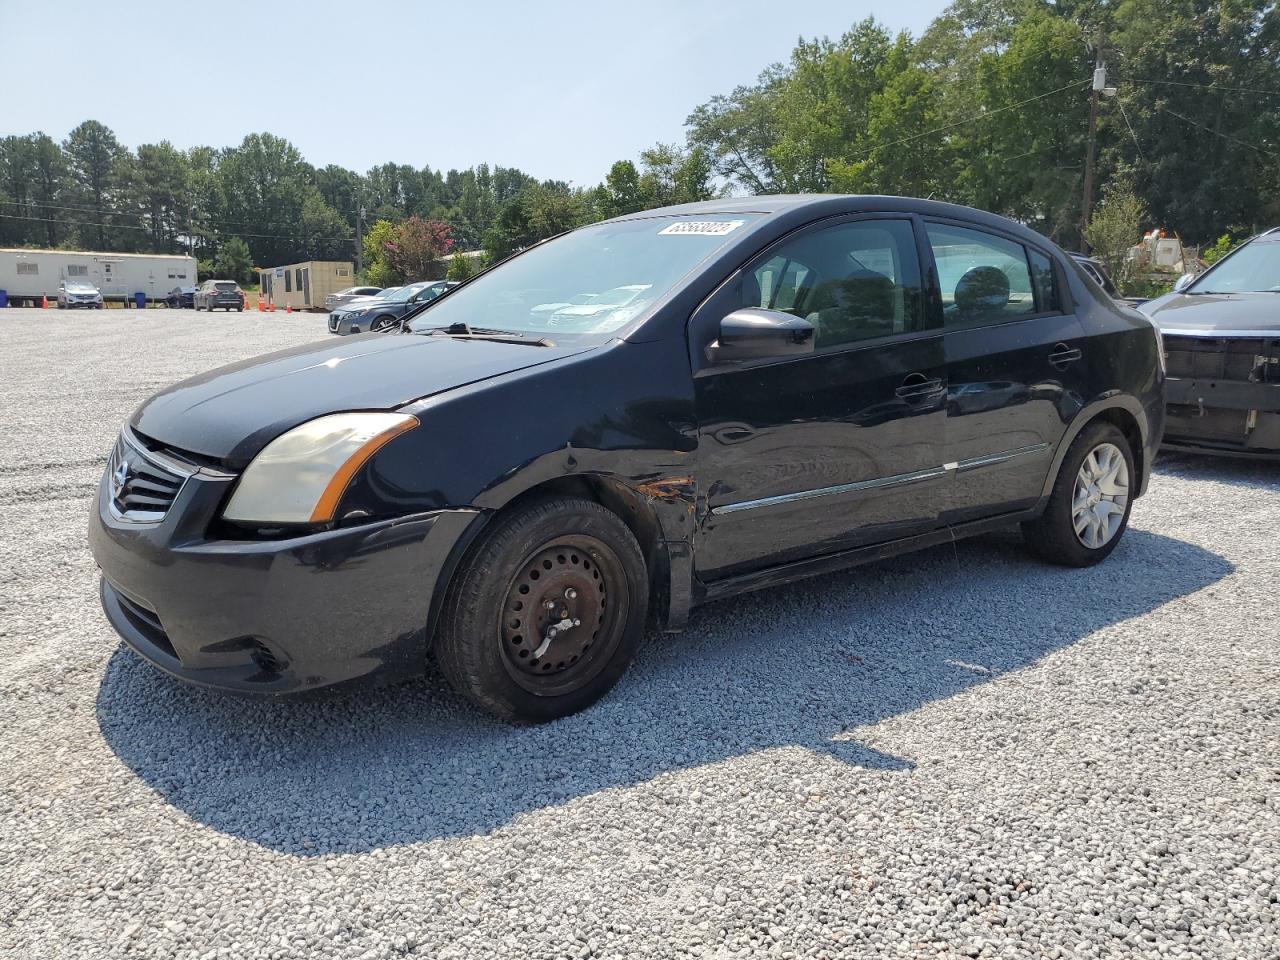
818, 205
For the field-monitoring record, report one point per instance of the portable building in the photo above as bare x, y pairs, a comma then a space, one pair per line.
303, 286
28, 275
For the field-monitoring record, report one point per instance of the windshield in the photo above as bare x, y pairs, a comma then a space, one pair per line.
592, 281
80, 288
1255, 267
401, 294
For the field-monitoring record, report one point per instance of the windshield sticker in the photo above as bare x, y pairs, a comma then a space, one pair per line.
706, 228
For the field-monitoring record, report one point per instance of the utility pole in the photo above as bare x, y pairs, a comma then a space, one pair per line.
1099, 83
359, 240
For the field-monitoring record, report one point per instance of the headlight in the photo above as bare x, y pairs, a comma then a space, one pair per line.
300, 476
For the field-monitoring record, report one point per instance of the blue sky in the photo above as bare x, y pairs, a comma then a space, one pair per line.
557, 88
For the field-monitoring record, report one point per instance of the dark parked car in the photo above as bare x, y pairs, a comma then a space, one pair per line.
521, 491
219, 295
181, 297
1098, 272
387, 310
1222, 344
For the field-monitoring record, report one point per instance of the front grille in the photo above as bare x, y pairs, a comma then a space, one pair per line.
146, 622
1242, 359
141, 487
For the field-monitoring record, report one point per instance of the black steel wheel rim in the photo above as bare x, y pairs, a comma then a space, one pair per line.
564, 614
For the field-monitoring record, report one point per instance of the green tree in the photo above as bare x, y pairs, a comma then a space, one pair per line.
460, 268
159, 190
93, 153
234, 261
323, 233
1115, 226
378, 270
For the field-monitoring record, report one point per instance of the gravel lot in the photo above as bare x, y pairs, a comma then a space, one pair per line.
957, 753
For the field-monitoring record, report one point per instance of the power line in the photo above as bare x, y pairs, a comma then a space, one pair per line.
1136, 144
131, 213
1202, 86
129, 226
1217, 133
976, 116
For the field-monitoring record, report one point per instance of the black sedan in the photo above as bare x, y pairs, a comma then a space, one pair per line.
1222, 340
181, 297
387, 309
795, 385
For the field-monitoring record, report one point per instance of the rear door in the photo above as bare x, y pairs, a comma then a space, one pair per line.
1015, 359
839, 448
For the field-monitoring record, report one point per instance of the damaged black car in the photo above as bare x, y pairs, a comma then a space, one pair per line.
1222, 347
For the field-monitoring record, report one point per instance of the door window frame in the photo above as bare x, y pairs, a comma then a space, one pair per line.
703, 323
1066, 305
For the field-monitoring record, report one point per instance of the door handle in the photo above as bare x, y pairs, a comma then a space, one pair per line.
917, 386
1062, 356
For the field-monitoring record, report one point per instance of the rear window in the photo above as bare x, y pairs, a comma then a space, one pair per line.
226, 286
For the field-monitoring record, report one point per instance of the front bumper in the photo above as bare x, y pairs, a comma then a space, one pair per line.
1222, 416
344, 324
275, 616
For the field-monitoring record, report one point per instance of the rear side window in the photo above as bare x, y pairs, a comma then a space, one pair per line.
984, 278
852, 281
1045, 281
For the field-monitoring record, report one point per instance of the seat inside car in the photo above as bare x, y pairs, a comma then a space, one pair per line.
981, 295
856, 307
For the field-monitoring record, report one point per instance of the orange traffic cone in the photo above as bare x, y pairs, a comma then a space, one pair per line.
262, 305
271, 306
44, 302
288, 308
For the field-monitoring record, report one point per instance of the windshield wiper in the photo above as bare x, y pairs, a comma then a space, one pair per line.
467, 332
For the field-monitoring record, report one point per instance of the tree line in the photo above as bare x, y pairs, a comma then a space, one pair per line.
987, 107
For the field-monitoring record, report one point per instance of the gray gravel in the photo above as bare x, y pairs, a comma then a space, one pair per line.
957, 753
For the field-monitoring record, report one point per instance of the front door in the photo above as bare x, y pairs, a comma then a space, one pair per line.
840, 448
1015, 362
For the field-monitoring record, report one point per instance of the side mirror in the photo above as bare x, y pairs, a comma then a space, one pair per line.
1184, 281
754, 333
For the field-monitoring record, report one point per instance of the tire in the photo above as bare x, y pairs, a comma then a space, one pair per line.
564, 551
1053, 535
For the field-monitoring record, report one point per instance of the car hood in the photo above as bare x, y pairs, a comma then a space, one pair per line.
1217, 313
365, 303
233, 412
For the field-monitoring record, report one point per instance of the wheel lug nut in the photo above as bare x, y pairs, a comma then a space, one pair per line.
571, 594
577, 623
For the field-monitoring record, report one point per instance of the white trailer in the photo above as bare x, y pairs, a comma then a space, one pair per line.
28, 275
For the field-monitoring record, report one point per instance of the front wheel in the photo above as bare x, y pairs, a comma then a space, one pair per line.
1088, 510
382, 323
546, 611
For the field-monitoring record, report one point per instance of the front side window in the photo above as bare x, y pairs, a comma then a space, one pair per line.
1253, 268
589, 283
853, 281
984, 278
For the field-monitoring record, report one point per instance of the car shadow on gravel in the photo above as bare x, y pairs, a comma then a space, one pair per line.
802, 666
1238, 471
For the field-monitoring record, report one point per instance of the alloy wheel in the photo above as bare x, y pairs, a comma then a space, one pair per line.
1101, 496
